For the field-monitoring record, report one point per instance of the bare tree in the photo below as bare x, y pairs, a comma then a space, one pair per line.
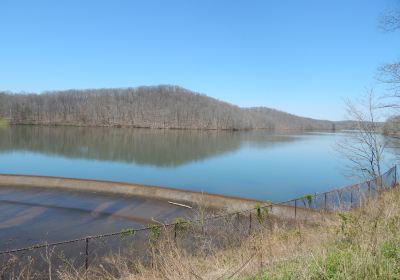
390, 21
364, 147
163, 106
390, 74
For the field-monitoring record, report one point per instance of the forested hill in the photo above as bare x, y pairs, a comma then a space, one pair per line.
392, 126
152, 107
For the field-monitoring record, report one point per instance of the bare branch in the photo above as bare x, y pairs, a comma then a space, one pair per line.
364, 147
390, 21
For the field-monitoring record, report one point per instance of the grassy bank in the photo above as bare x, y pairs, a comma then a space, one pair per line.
363, 244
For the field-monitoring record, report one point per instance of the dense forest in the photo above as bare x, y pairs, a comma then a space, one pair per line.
148, 107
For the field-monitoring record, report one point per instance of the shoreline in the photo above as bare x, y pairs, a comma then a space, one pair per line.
176, 128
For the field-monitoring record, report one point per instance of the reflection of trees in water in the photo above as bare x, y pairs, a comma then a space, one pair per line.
393, 148
143, 146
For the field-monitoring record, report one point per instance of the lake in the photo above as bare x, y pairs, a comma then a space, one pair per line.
257, 164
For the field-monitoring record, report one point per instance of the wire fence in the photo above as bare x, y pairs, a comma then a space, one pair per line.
345, 198
221, 230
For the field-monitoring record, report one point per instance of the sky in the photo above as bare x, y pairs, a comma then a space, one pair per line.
304, 57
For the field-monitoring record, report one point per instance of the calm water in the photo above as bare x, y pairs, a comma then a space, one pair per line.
259, 164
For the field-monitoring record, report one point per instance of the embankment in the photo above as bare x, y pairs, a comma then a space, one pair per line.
227, 203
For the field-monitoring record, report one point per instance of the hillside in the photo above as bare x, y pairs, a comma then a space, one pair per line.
392, 126
149, 107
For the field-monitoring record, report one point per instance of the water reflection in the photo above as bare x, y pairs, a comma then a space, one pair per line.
253, 164
162, 148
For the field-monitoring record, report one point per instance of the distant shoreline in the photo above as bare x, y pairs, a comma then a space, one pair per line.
156, 107
177, 128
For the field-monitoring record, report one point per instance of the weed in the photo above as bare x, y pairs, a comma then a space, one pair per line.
181, 224
308, 198
126, 232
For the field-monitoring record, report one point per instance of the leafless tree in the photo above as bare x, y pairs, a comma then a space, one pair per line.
390, 21
389, 74
148, 107
364, 147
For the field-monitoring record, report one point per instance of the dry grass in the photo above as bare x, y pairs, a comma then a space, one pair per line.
362, 244
222, 250
365, 244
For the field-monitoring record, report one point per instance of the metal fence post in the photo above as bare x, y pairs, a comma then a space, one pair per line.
87, 254
351, 199
369, 190
325, 201
395, 175
315, 201
250, 224
295, 208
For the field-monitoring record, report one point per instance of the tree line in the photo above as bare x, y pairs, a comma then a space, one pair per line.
162, 106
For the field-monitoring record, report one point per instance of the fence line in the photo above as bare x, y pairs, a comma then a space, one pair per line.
347, 197
344, 198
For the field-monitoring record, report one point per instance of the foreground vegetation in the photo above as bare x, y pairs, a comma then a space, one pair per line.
363, 244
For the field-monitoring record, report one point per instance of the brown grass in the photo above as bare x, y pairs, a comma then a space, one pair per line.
219, 250
362, 244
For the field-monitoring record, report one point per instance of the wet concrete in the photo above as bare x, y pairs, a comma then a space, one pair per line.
208, 200
34, 215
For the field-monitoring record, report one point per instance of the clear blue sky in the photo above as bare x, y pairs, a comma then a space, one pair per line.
303, 57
